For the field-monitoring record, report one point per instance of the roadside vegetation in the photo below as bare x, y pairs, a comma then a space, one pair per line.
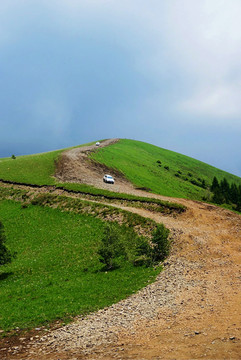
57, 272
116, 246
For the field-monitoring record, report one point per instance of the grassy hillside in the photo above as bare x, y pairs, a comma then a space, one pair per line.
56, 273
164, 172
32, 169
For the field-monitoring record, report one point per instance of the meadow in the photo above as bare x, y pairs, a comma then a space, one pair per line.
57, 273
36, 169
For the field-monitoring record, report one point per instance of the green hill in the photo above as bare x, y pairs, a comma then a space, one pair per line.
162, 171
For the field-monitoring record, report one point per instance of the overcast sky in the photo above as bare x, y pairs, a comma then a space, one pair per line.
163, 72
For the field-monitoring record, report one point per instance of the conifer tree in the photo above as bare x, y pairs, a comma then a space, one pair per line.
225, 190
234, 193
215, 184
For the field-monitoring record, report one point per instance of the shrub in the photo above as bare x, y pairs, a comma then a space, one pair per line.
143, 253
195, 182
161, 243
166, 167
13, 157
122, 243
5, 254
204, 185
111, 246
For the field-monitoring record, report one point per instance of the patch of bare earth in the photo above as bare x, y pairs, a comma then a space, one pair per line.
192, 310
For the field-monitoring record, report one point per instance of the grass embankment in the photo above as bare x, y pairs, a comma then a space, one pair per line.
56, 273
125, 199
163, 171
79, 206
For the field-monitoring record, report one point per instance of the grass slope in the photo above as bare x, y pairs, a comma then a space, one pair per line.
56, 273
138, 162
32, 169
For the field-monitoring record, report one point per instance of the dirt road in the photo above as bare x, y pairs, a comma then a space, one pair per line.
192, 311
75, 166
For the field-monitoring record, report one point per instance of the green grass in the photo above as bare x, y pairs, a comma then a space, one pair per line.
143, 225
57, 273
31, 169
138, 161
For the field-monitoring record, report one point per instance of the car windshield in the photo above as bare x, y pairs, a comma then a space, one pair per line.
109, 177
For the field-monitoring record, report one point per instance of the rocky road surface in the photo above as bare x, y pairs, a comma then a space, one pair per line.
192, 310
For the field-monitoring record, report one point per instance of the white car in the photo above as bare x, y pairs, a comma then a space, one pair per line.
97, 143
108, 179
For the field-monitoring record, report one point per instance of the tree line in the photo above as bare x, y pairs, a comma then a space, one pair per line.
224, 193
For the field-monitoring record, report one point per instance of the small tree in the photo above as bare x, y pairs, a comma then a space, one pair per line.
5, 254
161, 243
111, 246
234, 193
225, 190
215, 184
13, 157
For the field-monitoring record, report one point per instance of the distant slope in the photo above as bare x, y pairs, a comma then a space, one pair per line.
163, 171
35, 169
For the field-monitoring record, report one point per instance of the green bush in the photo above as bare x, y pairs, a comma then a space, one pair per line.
111, 246
5, 254
120, 243
161, 243
143, 253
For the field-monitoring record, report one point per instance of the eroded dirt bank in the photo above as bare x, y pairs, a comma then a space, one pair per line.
192, 311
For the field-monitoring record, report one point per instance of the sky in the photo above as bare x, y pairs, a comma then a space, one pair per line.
164, 72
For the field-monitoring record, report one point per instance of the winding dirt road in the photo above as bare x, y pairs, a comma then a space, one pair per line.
192, 311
